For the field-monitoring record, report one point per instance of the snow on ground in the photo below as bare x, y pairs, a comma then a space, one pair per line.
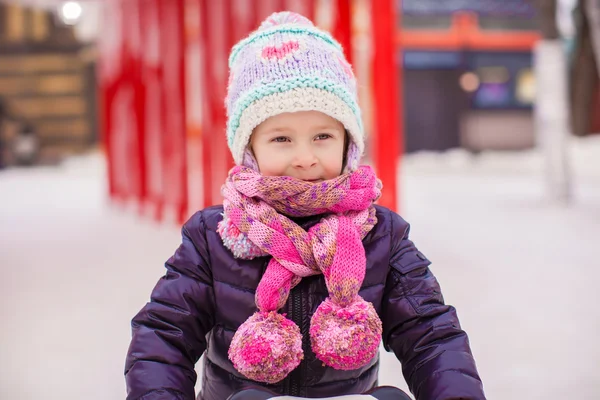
521, 270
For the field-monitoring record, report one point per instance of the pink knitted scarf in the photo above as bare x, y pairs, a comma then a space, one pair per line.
345, 330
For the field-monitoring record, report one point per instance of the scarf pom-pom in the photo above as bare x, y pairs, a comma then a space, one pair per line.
238, 243
345, 338
267, 347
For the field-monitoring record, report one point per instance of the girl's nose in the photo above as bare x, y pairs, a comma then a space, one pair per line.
304, 159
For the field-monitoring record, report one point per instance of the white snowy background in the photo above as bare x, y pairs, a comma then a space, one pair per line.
523, 273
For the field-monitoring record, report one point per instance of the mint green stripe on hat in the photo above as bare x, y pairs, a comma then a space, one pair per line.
285, 85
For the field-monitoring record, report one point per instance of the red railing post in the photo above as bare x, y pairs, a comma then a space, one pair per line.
387, 92
342, 26
174, 135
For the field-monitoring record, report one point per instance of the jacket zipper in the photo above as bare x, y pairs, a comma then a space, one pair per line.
297, 376
290, 314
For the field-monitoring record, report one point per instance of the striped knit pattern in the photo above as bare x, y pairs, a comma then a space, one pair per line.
346, 330
289, 65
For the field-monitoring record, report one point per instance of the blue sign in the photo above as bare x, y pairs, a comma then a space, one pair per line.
493, 95
485, 7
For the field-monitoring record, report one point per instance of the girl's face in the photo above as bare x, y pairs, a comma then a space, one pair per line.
307, 145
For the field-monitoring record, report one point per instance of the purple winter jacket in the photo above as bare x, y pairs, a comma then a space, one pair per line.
207, 294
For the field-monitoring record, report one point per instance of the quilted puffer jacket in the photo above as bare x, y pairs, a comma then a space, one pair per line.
206, 294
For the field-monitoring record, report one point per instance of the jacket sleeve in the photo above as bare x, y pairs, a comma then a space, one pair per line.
169, 332
421, 330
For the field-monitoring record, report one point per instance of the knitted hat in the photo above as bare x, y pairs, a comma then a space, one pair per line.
289, 65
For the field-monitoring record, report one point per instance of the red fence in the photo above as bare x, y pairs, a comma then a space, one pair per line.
163, 76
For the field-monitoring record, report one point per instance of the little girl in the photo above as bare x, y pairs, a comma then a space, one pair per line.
296, 279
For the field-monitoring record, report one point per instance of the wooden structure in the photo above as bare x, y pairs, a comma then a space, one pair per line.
46, 81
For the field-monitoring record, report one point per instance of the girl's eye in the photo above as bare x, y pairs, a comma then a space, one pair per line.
323, 136
280, 139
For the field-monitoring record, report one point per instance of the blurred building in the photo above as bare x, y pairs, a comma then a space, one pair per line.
47, 83
468, 79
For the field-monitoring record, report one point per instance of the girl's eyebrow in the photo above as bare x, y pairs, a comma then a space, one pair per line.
283, 129
320, 127
277, 129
